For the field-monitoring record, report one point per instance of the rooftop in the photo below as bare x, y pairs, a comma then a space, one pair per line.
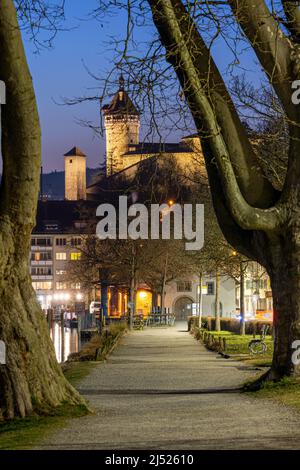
121, 104
75, 152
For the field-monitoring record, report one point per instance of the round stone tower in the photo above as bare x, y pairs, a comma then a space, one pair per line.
122, 126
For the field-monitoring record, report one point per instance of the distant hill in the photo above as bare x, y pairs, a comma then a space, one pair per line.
54, 182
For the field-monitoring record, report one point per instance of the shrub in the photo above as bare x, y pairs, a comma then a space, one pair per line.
230, 324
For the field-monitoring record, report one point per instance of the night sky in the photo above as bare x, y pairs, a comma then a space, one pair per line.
60, 72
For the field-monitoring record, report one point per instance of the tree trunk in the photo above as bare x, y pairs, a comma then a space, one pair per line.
31, 380
217, 302
242, 300
133, 285
285, 282
200, 299
163, 284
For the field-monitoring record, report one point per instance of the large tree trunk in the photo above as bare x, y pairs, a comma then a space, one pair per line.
285, 281
31, 379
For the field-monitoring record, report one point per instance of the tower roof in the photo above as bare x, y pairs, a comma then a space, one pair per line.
75, 152
121, 104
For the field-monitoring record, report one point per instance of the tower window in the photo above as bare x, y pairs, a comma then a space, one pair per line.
71, 161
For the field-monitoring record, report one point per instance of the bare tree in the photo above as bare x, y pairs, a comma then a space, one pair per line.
259, 221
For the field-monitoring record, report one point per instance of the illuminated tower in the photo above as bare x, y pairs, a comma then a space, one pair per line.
75, 174
122, 126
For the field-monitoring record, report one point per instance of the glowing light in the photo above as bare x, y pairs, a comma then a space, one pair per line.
78, 296
67, 296
170, 202
41, 298
56, 296
142, 294
234, 253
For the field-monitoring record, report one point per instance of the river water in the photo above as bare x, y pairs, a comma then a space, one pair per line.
65, 342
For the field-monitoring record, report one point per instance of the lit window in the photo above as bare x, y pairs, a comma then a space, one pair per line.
42, 285
60, 272
61, 285
75, 256
61, 256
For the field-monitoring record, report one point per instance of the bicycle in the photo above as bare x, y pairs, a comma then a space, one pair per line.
258, 346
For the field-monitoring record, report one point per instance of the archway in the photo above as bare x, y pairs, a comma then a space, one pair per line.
183, 308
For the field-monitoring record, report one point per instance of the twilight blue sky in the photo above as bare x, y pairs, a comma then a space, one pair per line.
59, 72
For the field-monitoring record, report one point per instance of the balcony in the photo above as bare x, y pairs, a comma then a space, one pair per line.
35, 248
42, 277
41, 263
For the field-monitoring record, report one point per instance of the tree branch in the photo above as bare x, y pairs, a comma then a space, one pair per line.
292, 13
246, 216
273, 49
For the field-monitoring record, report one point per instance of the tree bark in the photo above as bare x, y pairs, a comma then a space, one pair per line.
217, 302
242, 300
285, 282
163, 285
31, 380
200, 298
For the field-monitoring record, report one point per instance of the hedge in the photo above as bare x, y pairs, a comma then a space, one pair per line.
252, 327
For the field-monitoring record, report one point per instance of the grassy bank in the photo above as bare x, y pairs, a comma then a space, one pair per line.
237, 344
285, 392
28, 432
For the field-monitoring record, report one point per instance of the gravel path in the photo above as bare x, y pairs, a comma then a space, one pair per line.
160, 389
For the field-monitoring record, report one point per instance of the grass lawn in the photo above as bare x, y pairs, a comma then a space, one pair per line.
26, 433
237, 344
286, 392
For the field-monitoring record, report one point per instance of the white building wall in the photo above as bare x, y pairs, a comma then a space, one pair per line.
227, 295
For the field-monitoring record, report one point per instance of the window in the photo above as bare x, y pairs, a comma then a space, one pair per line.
42, 285
61, 241
80, 224
75, 241
262, 304
248, 284
184, 286
41, 256
61, 285
61, 256
262, 284
75, 256
60, 272
41, 242
41, 271
75, 285
210, 288
51, 227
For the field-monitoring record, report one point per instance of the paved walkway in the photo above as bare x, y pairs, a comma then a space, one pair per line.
160, 389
